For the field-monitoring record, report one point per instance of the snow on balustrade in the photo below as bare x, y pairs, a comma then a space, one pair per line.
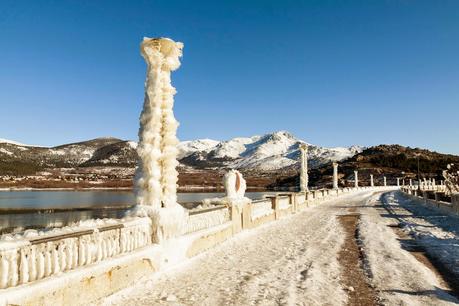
32, 256
284, 202
261, 208
206, 218
300, 197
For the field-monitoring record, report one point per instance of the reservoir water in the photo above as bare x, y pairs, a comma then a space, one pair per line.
21, 210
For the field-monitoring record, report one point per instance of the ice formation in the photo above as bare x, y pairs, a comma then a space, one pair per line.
335, 175
304, 168
235, 185
156, 175
451, 179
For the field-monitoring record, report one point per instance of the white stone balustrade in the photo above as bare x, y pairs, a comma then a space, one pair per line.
207, 218
261, 208
284, 202
29, 259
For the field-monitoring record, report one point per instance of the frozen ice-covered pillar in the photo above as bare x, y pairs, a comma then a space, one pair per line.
411, 182
335, 175
356, 178
385, 181
304, 179
156, 177
371, 181
398, 181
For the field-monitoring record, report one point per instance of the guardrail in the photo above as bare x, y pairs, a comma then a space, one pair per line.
206, 218
438, 188
28, 259
433, 198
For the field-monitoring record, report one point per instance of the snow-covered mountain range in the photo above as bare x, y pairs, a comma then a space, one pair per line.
272, 151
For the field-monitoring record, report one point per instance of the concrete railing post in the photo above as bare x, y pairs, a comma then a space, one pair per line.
275, 205
236, 218
247, 215
292, 200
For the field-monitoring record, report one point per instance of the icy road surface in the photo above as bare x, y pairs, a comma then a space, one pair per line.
296, 261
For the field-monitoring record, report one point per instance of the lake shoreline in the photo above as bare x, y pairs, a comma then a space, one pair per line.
190, 189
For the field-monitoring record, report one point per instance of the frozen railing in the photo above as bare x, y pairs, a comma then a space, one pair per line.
261, 208
284, 202
425, 187
29, 259
206, 218
437, 188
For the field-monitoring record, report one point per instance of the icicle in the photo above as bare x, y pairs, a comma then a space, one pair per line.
55, 254
81, 252
5, 270
62, 257
104, 249
69, 254
88, 251
32, 264
40, 264
24, 272
48, 261
13, 263
75, 254
99, 250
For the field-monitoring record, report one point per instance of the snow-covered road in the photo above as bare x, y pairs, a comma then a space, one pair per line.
296, 261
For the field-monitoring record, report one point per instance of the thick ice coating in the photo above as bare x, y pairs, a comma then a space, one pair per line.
156, 175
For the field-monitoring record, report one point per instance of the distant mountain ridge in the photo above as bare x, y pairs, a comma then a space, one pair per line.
268, 152
272, 151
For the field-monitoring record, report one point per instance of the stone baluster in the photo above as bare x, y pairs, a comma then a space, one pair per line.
32, 263
5, 269
24, 266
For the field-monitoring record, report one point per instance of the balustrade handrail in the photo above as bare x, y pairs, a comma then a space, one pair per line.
206, 210
260, 200
40, 239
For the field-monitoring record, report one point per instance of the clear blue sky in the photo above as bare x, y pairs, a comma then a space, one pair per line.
334, 73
